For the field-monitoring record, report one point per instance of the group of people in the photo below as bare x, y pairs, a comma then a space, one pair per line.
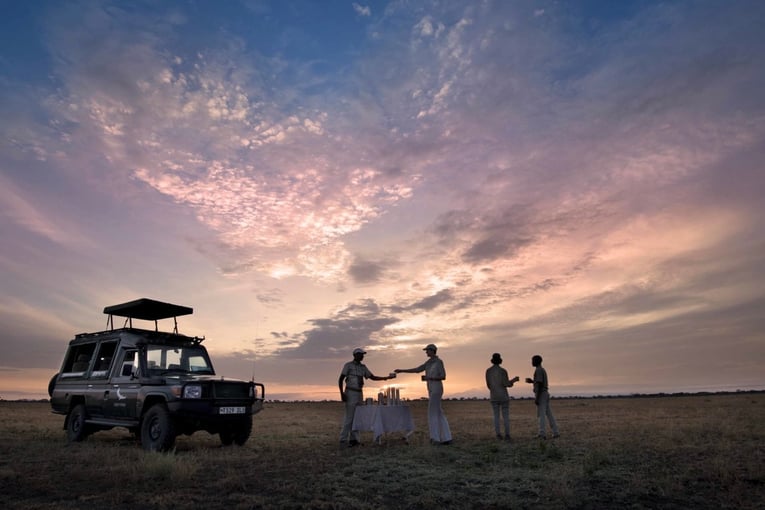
497, 381
351, 384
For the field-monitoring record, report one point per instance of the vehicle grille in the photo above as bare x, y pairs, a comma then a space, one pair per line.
231, 390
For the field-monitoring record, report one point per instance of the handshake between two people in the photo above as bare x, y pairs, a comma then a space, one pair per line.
404, 370
411, 371
344, 394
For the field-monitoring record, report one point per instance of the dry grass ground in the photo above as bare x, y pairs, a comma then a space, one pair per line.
670, 452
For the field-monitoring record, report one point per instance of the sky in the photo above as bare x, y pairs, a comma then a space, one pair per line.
580, 180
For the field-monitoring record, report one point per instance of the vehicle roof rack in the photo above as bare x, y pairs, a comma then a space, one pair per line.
148, 310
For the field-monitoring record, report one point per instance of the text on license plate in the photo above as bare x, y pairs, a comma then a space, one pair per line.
231, 410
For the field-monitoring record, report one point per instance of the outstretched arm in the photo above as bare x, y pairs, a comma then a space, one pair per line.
411, 370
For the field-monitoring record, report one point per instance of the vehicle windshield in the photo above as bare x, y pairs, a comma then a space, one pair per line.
165, 359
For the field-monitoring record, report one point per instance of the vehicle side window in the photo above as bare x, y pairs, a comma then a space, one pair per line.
78, 359
198, 364
104, 359
129, 364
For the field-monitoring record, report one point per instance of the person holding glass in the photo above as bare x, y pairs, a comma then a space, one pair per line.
435, 374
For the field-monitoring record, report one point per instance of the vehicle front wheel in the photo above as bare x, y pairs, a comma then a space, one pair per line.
238, 433
76, 428
157, 429
226, 437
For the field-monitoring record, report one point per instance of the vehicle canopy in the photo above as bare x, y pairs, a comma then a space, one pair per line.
142, 309
148, 310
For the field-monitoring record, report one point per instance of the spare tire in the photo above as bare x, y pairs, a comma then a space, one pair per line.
52, 384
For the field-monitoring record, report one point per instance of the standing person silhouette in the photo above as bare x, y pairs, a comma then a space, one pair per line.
435, 374
542, 398
353, 374
497, 381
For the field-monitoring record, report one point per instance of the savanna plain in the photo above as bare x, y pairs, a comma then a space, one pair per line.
692, 451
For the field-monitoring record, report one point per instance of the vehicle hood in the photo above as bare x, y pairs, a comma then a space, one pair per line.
186, 378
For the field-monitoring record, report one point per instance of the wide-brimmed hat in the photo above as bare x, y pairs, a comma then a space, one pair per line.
496, 358
359, 350
430, 347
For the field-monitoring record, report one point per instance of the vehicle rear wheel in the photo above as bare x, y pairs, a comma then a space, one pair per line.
157, 429
76, 428
237, 433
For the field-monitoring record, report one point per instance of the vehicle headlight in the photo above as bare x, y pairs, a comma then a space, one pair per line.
192, 391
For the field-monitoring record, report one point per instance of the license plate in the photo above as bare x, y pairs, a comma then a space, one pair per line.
231, 410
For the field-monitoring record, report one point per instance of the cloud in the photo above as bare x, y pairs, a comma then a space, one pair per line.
270, 297
19, 211
353, 326
427, 27
369, 271
432, 302
558, 173
362, 10
364, 271
250, 175
35, 336
282, 188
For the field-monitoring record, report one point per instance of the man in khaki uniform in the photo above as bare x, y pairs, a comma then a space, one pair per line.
542, 398
353, 374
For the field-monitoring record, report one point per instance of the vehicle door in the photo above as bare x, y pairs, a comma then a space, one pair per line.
98, 390
123, 392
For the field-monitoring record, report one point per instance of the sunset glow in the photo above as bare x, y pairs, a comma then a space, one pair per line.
583, 181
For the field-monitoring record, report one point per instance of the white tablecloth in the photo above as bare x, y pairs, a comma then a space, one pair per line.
382, 419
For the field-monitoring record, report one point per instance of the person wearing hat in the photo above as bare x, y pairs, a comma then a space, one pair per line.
497, 381
435, 374
353, 375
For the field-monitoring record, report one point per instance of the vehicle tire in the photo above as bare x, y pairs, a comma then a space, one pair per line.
52, 384
243, 431
238, 433
226, 437
76, 428
157, 429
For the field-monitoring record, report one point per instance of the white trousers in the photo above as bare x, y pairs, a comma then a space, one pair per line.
544, 413
439, 427
504, 407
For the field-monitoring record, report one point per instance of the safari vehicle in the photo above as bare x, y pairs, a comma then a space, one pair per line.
156, 384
